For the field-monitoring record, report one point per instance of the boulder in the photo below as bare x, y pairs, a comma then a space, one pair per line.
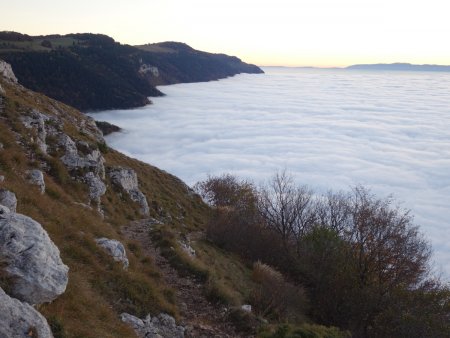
115, 249
8, 199
36, 177
160, 326
20, 320
126, 179
32, 260
96, 186
6, 72
246, 308
88, 159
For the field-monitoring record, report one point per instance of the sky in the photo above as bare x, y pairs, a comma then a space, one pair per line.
265, 32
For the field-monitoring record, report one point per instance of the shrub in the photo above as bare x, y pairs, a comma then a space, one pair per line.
275, 297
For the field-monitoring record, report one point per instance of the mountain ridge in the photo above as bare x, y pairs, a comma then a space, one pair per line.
94, 72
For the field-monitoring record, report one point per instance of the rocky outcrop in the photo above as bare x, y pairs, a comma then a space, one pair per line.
87, 159
6, 72
115, 249
8, 199
32, 260
20, 320
160, 326
126, 179
96, 186
43, 125
36, 177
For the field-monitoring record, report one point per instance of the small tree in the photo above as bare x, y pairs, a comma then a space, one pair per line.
286, 208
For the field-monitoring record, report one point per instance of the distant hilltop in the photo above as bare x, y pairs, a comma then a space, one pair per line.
401, 67
94, 72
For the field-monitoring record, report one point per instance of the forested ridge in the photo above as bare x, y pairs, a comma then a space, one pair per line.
94, 72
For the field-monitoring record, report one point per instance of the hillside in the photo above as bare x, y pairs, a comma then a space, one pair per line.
96, 244
93, 72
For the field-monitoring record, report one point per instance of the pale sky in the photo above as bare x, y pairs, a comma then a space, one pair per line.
264, 32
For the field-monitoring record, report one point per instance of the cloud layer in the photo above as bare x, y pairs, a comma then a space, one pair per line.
331, 129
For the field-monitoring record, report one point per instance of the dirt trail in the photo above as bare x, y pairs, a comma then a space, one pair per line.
200, 317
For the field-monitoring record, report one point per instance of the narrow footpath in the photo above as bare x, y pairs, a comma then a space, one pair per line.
200, 317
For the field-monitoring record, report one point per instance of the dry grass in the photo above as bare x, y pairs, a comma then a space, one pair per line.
99, 289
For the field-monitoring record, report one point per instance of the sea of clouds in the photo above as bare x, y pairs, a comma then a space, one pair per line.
331, 129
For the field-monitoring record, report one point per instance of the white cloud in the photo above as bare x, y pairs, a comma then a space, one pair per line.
332, 129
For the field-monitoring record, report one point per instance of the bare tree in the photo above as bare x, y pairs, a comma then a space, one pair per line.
286, 208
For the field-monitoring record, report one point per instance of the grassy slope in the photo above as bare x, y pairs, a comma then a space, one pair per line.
99, 289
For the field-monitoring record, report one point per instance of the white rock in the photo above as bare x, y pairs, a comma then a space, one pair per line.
2, 178
32, 260
246, 308
6, 72
8, 199
115, 249
96, 186
37, 120
162, 325
36, 177
17, 319
126, 179
187, 248
4, 210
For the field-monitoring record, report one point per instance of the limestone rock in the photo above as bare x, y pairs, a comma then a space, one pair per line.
187, 248
37, 120
6, 72
159, 326
8, 199
96, 186
126, 179
36, 177
32, 260
20, 320
89, 127
4, 210
246, 308
115, 249
85, 158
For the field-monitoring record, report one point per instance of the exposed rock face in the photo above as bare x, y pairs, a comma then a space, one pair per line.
115, 249
36, 177
37, 120
126, 179
20, 320
4, 210
146, 69
88, 160
161, 326
96, 186
7, 72
32, 259
8, 199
